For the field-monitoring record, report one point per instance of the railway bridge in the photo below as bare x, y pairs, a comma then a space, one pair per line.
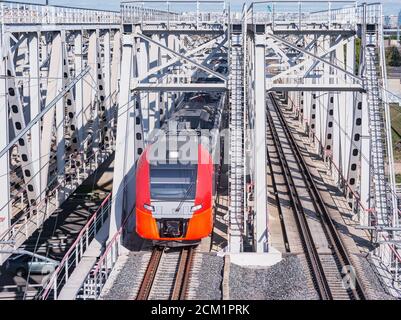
307, 108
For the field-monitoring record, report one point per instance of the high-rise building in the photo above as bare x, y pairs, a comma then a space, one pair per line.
399, 18
399, 26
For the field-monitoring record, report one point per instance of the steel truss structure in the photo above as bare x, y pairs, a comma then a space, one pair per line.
59, 89
343, 107
77, 85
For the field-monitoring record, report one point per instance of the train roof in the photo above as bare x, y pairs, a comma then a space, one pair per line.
196, 112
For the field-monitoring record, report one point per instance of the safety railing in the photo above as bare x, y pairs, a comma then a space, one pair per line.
348, 16
393, 98
373, 13
97, 277
137, 13
74, 255
299, 14
341, 16
27, 13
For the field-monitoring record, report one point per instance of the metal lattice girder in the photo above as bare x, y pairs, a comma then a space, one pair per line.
91, 118
349, 118
343, 122
183, 57
319, 58
101, 112
142, 60
35, 106
129, 141
60, 120
181, 87
260, 145
316, 87
321, 107
172, 61
49, 107
54, 85
112, 56
69, 103
329, 110
79, 102
4, 136
355, 157
154, 97
115, 74
18, 122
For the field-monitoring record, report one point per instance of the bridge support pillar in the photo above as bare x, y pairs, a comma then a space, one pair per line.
124, 168
115, 73
365, 174
55, 83
350, 109
35, 108
154, 97
260, 146
143, 68
4, 160
79, 94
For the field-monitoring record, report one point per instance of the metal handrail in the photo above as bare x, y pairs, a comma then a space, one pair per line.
12, 12
78, 248
136, 12
101, 270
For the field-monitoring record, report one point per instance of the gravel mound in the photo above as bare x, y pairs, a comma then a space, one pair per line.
283, 281
374, 281
127, 280
209, 278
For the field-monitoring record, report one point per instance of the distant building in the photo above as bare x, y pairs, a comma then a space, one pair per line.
391, 21
399, 18
386, 22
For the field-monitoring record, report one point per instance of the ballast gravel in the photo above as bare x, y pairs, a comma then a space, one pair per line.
209, 278
283, 281
127, 278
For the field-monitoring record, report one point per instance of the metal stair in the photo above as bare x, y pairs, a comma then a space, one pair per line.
377, 133
236, 142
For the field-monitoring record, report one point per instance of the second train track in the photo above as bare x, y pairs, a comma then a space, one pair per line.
325, 253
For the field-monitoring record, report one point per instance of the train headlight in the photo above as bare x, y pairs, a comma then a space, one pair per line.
196, 208
149, 207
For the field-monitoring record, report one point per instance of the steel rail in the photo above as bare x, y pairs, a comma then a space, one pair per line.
331, 231
181, 282
312, 255
276, 196
150, 274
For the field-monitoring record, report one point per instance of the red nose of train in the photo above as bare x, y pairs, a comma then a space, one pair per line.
174, 202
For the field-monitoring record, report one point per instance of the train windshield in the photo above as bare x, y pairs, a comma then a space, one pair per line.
174, 182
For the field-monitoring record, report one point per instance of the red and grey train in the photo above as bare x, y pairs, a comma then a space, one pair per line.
176, 174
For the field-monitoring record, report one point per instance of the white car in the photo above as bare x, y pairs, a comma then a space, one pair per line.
22, 264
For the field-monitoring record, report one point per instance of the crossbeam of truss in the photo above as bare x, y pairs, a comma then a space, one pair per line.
183, 57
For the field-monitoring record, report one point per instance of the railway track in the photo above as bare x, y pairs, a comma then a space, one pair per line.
325, 253
167, 274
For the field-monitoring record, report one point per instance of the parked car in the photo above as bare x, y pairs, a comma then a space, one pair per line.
22, 264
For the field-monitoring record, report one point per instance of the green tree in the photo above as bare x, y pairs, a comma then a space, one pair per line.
393, 57
358, 43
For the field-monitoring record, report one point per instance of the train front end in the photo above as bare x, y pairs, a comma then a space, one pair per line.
174, 197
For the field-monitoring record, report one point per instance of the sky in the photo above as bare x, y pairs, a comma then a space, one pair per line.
389, 6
